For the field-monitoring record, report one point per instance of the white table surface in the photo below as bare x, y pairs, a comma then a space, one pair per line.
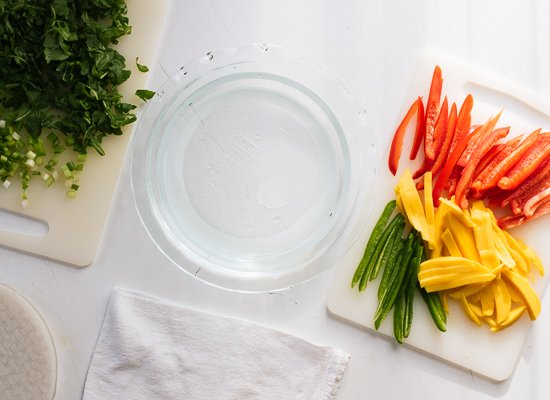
372, 46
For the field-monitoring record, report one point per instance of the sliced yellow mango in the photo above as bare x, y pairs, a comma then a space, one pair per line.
484, 238
429, 208
487, 300
522, 266
466, 290
454, 270
517, 252
458, 212
491, 322
445, 301
514, 315
464, 237
438, 230
450, 244
412, 205
533, 258
471, 259
503, 301
524, 290
501, 246
438, 283
469, 310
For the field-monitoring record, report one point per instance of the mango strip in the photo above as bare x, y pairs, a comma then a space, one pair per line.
412, 205
471, 259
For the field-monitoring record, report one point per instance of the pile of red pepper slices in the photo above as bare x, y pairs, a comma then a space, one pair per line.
473, 162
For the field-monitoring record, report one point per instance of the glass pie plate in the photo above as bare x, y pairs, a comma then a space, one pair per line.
252, 169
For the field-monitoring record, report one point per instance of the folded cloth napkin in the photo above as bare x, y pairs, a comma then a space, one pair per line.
150, 349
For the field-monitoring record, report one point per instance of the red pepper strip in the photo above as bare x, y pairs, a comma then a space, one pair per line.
536, 201
426, 166
440, 130
420, 130
494, 172
517, 204
496, 196
491, 156
453, 180
397, 142
488, 138
475, 138
444, 152
439, 135
463, 122
457, 170
448, 169
535, 156
432, 109
511, 221
536, 180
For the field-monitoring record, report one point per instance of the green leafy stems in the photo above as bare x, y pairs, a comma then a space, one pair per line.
60, 75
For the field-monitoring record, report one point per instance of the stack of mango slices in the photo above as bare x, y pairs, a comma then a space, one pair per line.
471, 260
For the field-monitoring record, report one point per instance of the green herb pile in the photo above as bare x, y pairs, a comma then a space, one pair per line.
59, 80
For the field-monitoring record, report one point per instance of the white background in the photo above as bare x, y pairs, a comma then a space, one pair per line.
373, 47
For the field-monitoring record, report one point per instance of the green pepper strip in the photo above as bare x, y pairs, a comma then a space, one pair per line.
435, 306
403, 307
395, 227
399, 318
409, 285
392, 278
433, 301
380, 263
374, 239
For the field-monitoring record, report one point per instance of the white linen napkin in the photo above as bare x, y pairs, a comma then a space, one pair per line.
150, 349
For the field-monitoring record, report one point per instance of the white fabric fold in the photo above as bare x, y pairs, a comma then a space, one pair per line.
150, 349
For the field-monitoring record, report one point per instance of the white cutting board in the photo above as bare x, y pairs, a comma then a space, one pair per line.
492, 355
74, 226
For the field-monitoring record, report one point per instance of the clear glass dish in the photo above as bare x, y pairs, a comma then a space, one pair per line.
252, 169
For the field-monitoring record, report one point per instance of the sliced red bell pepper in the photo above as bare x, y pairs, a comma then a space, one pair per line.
506, 160
444, 152
397, 142
426, 166
439, 137
517, 204
457, 169
491, 156
432, 110
531, 184
486, 168
488, 138
537, 153
440, 130
453, 180
463, 122
534, 202
475, 138
448, 169
511, 221
420, 130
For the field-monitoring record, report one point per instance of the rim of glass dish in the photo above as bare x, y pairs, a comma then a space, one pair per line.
268, 59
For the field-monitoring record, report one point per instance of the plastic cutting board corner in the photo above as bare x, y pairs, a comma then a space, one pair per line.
477, 349
75, 225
